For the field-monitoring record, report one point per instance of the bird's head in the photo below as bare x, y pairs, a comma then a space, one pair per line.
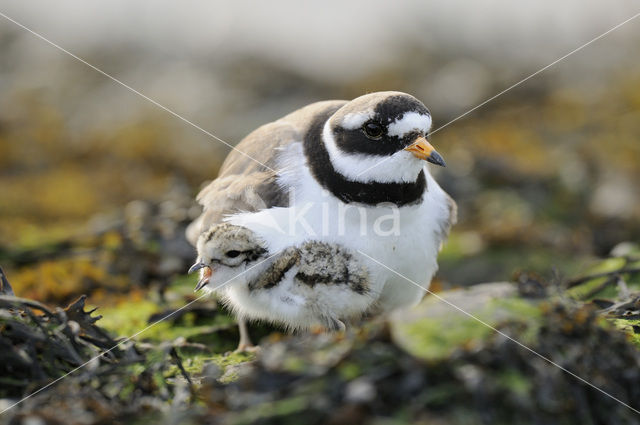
380, 137
226, 250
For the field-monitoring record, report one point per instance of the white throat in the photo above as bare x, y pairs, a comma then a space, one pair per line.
401, 167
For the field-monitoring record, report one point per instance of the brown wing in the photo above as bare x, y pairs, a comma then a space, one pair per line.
243, 184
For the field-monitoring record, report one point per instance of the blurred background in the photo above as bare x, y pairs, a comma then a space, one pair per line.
97, 183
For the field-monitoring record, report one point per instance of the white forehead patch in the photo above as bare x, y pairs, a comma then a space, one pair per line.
410, 121
355, 120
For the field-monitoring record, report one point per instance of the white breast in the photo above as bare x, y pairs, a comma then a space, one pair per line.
410, 247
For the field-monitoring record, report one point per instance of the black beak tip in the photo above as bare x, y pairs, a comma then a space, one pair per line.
201, 285
196, 267
436, 158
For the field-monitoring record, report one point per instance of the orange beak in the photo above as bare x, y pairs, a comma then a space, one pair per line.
205, 274
422, 149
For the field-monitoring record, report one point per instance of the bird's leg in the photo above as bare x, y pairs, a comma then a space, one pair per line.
245, 343
334, 325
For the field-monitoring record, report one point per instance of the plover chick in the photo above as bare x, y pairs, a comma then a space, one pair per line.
314, 283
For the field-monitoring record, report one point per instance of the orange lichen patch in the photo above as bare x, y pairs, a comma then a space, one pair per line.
23, 232
517, 146
436, 285
63, 279
275, 337
5, 150
103, 298
629, 91
135, 295
64, 191
112, 240
507, 141
564, 111
616, 147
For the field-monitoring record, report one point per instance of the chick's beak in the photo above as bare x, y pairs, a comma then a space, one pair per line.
205, 274
197, 266
422, 149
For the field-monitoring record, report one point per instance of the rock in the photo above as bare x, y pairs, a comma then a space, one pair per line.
626, 249
444, 322
470, 299
360, 390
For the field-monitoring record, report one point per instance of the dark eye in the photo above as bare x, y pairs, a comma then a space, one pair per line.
373, 129
232, 253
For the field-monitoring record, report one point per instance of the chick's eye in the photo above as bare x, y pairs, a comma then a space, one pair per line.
232, 253
373, 129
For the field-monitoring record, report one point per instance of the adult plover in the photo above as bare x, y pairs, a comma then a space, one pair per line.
314, 284
350, 173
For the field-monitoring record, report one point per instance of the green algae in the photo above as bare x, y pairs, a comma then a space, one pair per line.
283, 409
593, 288
631, 328
514, 381
194, 364
434, 338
